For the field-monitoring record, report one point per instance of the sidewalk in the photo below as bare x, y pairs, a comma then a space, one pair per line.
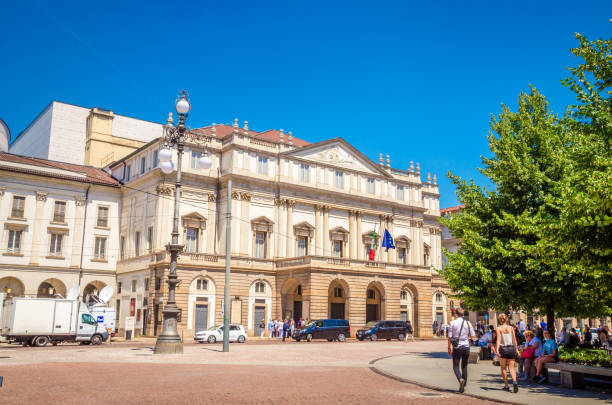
434, 370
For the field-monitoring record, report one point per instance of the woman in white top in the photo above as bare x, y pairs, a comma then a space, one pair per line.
507, 349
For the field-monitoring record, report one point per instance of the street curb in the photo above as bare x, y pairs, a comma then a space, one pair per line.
431, 387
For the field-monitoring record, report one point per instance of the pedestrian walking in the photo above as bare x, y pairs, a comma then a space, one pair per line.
409, 332
285, 328
459, 336
262, 327
270, 328
507, 349
434, 326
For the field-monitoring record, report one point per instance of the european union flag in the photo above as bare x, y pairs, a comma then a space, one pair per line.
388, 241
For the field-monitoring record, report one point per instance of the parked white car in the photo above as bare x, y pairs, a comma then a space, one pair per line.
215, 334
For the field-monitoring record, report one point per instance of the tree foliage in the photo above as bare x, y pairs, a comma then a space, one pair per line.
541, 239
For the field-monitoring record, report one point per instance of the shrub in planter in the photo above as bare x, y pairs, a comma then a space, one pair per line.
587, 357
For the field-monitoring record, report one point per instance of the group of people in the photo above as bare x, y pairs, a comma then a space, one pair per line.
537, 345
439, 330
281, 329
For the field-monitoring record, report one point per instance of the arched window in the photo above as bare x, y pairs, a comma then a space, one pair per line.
260, 287
404, 295
202, 285
371, 294
439, 297
338, 292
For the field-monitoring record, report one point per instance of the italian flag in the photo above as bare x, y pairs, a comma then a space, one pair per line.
371, 256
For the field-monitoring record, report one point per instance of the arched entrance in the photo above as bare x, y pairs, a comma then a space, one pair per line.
438, 309
374, 300
260, 305
201, 309
338, 296
12, 287
291, 299
408, 306
50, 288
93, 288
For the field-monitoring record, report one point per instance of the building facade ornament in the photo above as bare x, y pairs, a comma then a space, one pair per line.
164, 189
245, 196
212, 197
41, 196
2, 188
235, 195
80, 200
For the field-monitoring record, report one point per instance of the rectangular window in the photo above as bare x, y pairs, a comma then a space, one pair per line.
150, 239
122, 247
401, 255
260, 245
55, 248
118, 288
133, 285
400, 193
191, 240
154, 163
262, 165
195, 156
338, 293
146, 284
137, 243
370, 186
302, 245
143, 163
157, 283
59, 212
102, 217
18, 210
128, 173
337, 248
304, 173
100, 248
339, 181
14, 241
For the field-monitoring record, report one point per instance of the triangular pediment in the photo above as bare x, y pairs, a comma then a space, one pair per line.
339, 153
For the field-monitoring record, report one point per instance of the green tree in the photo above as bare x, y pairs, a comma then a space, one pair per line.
541, 239
499, 264
584, 235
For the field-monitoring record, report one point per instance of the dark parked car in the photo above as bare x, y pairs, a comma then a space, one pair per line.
330, 329
383, 330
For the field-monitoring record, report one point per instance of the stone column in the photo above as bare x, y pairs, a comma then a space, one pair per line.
289, 233
381, 255
351, 216
325, 238
358, 241
275, 227
211, 224
245, 216
237, 224
318, 244
282, 228
77, 234
37, 247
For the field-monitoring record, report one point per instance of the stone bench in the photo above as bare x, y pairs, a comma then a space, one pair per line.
474, 354
572, 375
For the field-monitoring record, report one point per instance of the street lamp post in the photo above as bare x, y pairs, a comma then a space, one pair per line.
169, 341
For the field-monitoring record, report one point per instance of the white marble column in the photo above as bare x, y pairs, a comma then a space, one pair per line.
282, 228
37, 246
290, 238
358, 241
351, 216
318, 250
77, 234
325, 239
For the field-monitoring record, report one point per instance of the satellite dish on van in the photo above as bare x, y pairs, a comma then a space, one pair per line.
73, 293
106, 294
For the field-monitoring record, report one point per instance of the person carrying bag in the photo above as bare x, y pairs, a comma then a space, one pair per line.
460, 331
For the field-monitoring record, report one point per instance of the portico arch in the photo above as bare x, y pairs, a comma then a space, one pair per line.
409, 310
338, 297
291, 299
12, 287
438, 309
201, 303
93, 287
260, 305
50, 288
374, 302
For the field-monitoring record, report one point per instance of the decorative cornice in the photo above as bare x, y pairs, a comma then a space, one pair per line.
245, 196
235, 195
41, 196
80, 200
164, 189
212, 197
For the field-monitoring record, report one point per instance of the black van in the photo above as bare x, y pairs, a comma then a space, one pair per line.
330, 329
383, 330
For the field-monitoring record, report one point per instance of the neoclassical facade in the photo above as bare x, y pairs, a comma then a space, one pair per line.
58, 227
303, 218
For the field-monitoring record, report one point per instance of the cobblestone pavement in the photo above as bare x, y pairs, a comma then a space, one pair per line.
256, 372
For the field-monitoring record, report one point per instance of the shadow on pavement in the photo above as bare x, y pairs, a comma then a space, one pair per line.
433, 355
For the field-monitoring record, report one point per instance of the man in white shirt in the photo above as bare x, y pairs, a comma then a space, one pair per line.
522, 327
461, 330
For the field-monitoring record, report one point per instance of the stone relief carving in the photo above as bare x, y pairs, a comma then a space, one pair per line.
164, 189
41, 196
212, 198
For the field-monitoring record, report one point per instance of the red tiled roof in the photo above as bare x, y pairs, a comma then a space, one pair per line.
456, 208
84, 174
223, 130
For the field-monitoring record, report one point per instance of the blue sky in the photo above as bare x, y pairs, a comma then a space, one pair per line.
415, 80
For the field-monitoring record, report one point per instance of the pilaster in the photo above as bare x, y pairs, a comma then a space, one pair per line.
360, 248
352, 236
37, 246
318, 244
77, 238
211, 224
290, 237
325, 238
245, 210
282, 227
